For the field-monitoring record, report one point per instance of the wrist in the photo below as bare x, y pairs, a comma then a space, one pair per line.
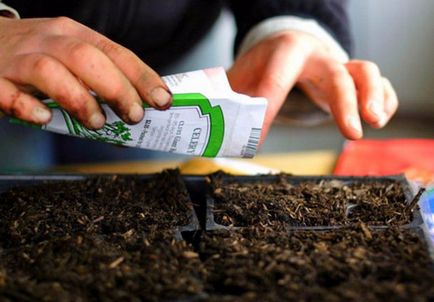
279, 24
305, 42
8, 12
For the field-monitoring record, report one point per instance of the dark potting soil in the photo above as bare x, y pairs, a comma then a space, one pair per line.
90, 268
355, 264
112, 239
101, 239
280, 203
101, 205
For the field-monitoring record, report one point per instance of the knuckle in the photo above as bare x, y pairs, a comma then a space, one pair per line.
110, 47
62, 24
337, 75
77, 106
341, 83
44, 65
147, 77
337, 71
369, 67
288, 38
115, 92
78, 51
144, 78
7, 97
16, 107
275, 81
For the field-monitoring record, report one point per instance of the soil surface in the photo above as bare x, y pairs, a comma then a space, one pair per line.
281, 203
355, 264
113, 238
102, 205
90, 268
102, 239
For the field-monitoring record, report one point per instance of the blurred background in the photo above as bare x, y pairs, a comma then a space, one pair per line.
396, 34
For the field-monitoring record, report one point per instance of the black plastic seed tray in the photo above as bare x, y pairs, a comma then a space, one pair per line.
320, 264
202, 221
204, 203
113, 241
8, 182
223, 180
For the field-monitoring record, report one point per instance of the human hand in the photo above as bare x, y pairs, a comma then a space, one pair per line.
64, 59
349, 91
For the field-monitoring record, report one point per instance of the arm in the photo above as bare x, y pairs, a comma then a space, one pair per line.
274, 58
7, 11
329, 14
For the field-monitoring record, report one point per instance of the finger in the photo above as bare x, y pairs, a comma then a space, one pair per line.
146, 81
330, 86
370, 88
99, 73
21, 105
54, 79
390, 102
272, 77
341, 94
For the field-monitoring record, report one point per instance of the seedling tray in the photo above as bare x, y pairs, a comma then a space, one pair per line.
104, 247
235, 201
347, 264
106, 194
202, 260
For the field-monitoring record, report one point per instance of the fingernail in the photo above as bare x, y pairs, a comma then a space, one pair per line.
355, 124
376, 109
97, 120
382, 121
136, 113
161, 97
41, 114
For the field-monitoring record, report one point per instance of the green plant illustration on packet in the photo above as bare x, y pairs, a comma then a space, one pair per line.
118, 132
210, 121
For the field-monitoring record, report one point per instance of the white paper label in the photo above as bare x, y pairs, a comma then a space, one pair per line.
206, 119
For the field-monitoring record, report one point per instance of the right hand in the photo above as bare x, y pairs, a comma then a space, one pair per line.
64, 59
349, 91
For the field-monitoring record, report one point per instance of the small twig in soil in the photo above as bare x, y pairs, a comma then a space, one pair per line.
115, 263
415, 200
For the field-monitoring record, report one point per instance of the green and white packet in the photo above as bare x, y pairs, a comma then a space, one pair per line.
206, 119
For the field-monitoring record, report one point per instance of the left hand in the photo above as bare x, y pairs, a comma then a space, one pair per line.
349, 91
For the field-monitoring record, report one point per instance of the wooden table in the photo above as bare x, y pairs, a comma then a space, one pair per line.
300, 163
